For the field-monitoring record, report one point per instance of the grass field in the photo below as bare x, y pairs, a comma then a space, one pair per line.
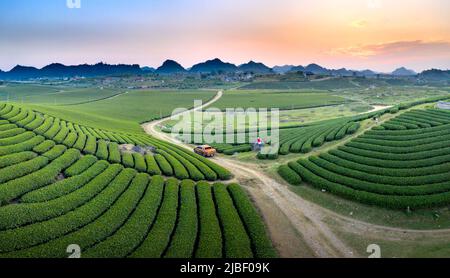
53, 95
126, 111
276, 99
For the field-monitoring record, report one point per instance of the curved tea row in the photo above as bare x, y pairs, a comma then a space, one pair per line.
403, 163
154, 157
52, 196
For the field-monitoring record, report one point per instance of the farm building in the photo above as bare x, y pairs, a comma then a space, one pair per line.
443, 105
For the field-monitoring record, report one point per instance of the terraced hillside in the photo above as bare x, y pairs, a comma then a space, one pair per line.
155, 156
60, 184
404, 163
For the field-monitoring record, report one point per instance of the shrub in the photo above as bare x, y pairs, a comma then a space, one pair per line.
70, 139
353, 128
6, 127
238, 149
58, 198
81, 142
237, 242
19, 186
130, 235
11, 132
102, 150
139, 162
37, 122
289, 175
194, 173
210, 235
185, 234
128, 160
28, 119
394, 110
15, 158
397, 202
261, 243
23, 146
91, 145
164, 165
114, 153
159, 236
180, 171
80, 166
42, 232
54, 129
62, 134
44, 146
207, 172
55, 152
17, 139
23, 168
97, 231
152, 166
342, 132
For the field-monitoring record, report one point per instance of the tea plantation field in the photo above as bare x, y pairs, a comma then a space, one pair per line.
403, 163
124, 112
283, 100
63, 183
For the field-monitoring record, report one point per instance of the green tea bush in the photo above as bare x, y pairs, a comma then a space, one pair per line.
16, 139
164, 165
128, 160
11, 132
55, 152
21, 147
289, 175
158, 238
102, 150
71, 139
16, 158
98, 230
38, 233
131, 234
44, 146
261, 243
139, 162
91, 145
81, 142
80, 166
179, 170
237, 242
152, 166
210, 234
114, 153
183, 240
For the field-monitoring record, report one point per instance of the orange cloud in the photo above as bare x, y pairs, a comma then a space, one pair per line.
414, 48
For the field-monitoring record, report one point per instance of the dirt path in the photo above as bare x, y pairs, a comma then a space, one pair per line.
302, 218
297, 227
377, 108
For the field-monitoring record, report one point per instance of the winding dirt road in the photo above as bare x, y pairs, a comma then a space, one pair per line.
298, 228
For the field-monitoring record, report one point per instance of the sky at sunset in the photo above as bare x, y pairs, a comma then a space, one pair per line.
358, 34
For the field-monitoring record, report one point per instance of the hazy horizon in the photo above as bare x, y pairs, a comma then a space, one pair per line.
356, 34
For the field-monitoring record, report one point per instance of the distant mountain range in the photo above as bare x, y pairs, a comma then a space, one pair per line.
170, 67
403, 72
62, 71
215, 66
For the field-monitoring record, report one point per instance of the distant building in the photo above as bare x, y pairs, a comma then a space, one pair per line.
443, 105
